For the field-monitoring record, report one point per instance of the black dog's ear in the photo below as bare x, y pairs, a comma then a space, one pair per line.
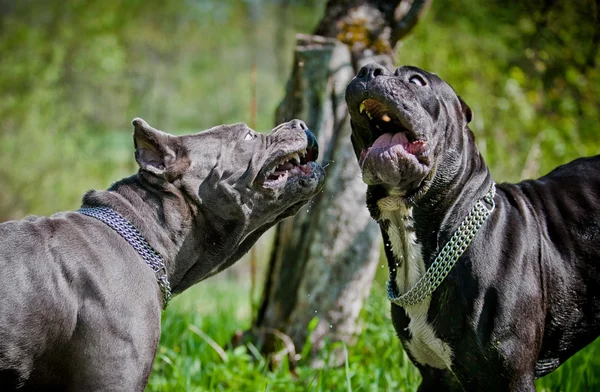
156, 151
466, 110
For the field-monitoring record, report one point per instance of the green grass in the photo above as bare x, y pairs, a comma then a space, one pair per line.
201, 322
186, 361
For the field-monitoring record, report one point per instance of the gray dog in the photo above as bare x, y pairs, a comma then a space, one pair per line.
82, 292
491, 286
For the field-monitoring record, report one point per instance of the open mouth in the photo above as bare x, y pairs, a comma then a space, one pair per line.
387, 130
393, 153
292, 166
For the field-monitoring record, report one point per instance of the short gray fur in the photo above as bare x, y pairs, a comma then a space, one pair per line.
139, 243
80, 308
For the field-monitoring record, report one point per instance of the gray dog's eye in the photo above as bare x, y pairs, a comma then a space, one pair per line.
416, 79
250, 136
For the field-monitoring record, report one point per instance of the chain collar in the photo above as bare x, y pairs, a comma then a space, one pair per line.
135, 239
448, 256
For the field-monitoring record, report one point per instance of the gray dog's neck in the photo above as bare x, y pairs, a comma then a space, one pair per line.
165, 222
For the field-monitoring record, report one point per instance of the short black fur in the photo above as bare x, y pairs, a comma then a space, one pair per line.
525, 295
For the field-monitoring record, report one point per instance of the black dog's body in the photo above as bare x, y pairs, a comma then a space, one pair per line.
525, 295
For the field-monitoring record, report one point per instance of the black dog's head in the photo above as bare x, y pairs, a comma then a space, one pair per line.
404, 125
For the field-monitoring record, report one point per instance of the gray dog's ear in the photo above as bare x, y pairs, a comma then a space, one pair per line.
157, 152
466, 110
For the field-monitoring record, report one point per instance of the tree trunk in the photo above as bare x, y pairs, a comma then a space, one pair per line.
325, 257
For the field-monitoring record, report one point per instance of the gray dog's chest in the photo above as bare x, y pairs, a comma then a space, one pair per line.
424, 345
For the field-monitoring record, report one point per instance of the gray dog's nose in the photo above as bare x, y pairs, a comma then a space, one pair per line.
371, 71
298, 124
311, 138
312, 146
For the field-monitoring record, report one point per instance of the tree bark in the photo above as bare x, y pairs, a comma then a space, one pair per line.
325, 257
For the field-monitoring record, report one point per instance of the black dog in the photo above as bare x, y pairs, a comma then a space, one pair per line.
525, 294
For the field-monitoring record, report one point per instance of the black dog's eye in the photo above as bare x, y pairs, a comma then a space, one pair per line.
418, 80
250, 136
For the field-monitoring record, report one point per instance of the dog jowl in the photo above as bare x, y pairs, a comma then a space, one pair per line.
491, 285
82, 291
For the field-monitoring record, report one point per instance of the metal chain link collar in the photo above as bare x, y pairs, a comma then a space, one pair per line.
122, 226
448, 256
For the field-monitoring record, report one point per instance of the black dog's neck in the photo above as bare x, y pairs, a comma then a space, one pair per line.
435, 215
448, 200
165, 222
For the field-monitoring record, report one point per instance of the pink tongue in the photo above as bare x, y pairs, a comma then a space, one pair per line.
390, 139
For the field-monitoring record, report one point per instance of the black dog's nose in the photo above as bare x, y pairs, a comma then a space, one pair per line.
371, 71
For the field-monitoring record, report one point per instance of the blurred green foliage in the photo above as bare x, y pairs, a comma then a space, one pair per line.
73, 74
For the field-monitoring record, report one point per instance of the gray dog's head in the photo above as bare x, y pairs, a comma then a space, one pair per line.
404, 125
235, 182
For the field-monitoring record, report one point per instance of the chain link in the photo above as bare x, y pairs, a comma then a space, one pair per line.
139, 243
448, 256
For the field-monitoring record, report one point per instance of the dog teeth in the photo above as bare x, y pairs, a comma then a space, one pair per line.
287, 163
362, 107
386, 118
295, 158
